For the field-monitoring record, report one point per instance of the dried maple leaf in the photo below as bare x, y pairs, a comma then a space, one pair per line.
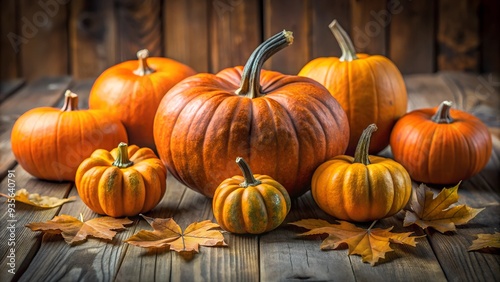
73, 230
370, 244
438, 212
167, 233
486, 241
22, 195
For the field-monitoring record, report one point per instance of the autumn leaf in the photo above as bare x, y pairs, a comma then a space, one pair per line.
484, 241
167, 233
22, 195
438, 212
73, 230
370, 244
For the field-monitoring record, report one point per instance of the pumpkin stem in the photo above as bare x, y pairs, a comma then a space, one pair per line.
122, 160
143, 69
361, 153
443, 113
250, 78
70, 102
345, 42
247, 174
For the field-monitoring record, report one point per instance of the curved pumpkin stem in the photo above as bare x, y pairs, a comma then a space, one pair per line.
143, 69
345, 42
247, 174
443, 113
250, 78
70, 102
361, 154
122, 160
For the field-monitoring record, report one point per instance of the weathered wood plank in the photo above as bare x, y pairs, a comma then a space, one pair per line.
294, 16
187, 20
10, 41
458, 35
46, 51
42, 92
92, 33
411, 44
8, 87
235, 26
370, 21
490, 41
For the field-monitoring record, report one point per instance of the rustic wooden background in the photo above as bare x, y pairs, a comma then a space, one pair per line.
83, 37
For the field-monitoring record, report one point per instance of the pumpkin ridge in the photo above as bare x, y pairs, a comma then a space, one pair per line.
275, 129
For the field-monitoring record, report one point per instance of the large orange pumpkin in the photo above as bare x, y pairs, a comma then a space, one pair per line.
283, 126
50, 143
369, 88
441, 145
132, 90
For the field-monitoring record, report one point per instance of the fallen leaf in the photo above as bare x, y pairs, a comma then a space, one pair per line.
74, 230
370, 244
167, 233
484, 241
22, 195
438, 212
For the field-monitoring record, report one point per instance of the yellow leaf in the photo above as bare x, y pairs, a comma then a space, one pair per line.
486, 241
438, 212
36, 200
370, 244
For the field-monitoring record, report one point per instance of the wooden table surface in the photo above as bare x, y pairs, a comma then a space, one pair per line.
276, 256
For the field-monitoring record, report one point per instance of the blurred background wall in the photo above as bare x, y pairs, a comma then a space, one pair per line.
81, 38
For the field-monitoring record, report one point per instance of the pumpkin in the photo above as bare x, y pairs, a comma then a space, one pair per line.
369, 88
363, 188
283, 126
126, 181
441, 145
132, 90
250, 203
50, 143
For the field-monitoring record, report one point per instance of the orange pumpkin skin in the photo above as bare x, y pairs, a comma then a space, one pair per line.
124, 182
283, 126
441, 152
361, 191
369, 88
50, 143
133, 96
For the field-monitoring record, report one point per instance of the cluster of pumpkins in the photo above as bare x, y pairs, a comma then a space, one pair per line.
312, 131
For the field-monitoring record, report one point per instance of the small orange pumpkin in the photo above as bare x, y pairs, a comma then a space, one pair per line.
132, 90
50, 143
250, 203
124, 182
363, 188
369, 88
441, 145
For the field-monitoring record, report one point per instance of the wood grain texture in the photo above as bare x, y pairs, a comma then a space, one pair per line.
10, 41
370, 21
293, 16
458, 35
92, 34
9, 87
186, 32
411, 44
235, 31
489, 25
46, 52
138, 26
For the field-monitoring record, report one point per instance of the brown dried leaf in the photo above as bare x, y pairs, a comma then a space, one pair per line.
74, 230
47, 202
370, 244
484, 241
167, 233
438, 212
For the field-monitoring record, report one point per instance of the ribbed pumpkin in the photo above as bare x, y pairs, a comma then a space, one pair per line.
250, 203
369, 88
363, 188
124, 182
441, 145
50, 143
283, 126
132, 90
